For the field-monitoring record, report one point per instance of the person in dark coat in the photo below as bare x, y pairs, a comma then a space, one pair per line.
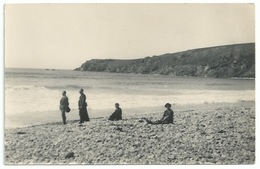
167, 116
83, 113
117, 115
64, 104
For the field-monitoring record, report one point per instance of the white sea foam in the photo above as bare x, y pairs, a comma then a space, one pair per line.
25, 94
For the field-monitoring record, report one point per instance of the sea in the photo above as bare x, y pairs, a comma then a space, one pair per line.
32, 96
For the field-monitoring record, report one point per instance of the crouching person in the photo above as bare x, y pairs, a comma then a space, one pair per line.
117, 115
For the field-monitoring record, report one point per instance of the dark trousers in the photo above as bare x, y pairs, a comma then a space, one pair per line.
63, 114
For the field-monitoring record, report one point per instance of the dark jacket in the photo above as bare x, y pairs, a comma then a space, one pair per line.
64, 103
117, 115
167, 117
83, 112
82, 101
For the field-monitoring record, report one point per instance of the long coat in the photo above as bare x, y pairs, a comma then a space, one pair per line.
83, 113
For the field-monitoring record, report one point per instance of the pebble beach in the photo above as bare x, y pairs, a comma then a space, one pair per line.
223, 134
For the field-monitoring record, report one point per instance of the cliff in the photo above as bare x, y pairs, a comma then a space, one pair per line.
221, 61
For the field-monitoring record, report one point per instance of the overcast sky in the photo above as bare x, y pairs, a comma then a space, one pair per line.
63, 36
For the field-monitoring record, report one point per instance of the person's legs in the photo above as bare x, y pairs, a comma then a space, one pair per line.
158, 122
80, 117
151, 122
63, 117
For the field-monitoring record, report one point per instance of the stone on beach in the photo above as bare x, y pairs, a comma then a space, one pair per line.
70, 155
196, 137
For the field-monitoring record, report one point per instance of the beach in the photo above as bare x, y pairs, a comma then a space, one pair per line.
198, 59
32, 95
222, 133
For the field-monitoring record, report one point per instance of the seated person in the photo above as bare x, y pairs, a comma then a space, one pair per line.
167, 116
117, 115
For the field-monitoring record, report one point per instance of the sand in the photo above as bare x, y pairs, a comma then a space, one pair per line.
222, 134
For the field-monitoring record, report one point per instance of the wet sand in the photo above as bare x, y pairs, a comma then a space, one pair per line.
209, 134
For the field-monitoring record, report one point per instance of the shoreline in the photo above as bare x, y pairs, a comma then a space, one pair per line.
218, 134
105, 113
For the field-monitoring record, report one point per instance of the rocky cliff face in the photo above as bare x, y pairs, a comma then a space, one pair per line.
222, 61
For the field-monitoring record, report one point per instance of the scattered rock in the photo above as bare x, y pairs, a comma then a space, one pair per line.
196, 138
221, 131
70, 155
219, 116
172, 157
203, 133
21, 132
119, 129
209, 137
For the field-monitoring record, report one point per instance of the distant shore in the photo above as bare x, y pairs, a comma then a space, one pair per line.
218, 135
237, 60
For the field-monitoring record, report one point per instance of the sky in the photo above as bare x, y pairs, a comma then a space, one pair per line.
63, 36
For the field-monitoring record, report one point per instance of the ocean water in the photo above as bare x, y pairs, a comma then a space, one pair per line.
32, 95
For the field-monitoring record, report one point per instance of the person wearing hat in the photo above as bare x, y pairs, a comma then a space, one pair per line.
167, 116
64, 104
117, 115
83, 113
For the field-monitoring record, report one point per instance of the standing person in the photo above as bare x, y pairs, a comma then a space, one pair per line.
167, 116
64, 104
117, 115
83, 113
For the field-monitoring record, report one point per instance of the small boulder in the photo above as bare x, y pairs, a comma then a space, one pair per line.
70, 155
119, 129
21, 132
221, 131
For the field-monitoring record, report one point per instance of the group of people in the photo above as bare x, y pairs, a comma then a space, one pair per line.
167, 118
82, 104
